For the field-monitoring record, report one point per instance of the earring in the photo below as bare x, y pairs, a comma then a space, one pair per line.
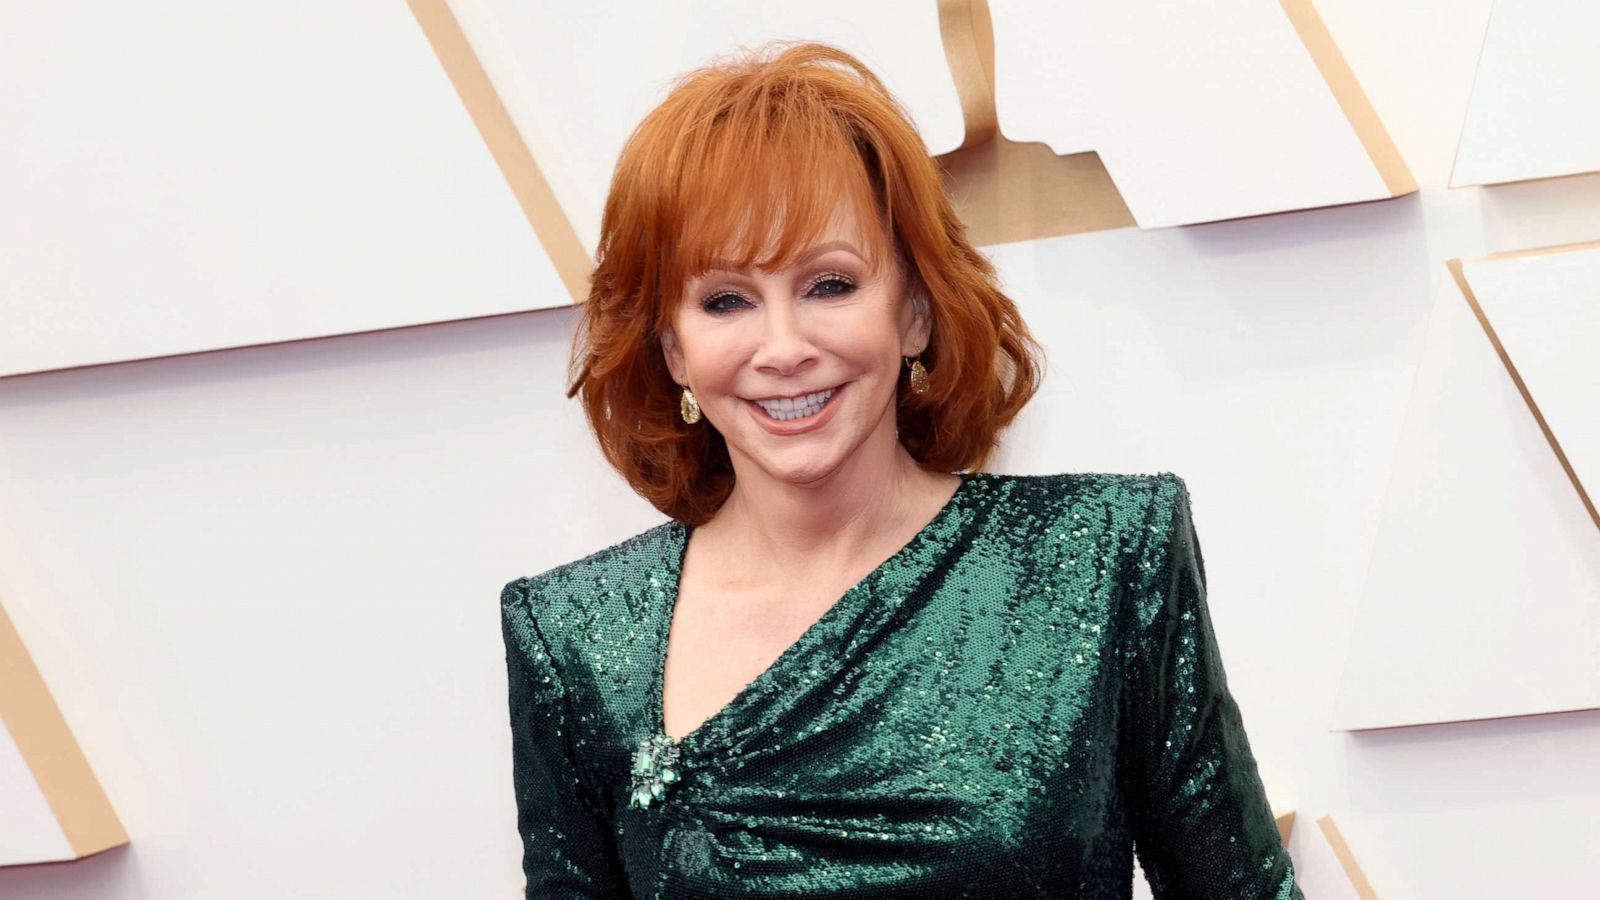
919, 375
688, 407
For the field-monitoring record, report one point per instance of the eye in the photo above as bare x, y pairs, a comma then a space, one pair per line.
832, 284
715, 302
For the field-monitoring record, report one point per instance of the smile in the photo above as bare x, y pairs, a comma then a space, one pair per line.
790, 416
801, 407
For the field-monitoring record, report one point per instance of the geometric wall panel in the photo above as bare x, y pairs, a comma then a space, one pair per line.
1482, 593
51, 806
555, 67
1199, 111
1541, 310
1532, 112
187, 181
1201, 141
1007, 190
1327, 869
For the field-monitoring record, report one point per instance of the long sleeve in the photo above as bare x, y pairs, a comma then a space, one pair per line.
567, 849
1202, 826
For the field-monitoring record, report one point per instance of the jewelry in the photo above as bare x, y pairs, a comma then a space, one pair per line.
689, 407
654, 767
919, 375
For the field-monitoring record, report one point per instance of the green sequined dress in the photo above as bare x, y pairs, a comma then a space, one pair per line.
1024, 696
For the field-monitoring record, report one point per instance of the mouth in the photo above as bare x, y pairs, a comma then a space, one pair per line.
791, 409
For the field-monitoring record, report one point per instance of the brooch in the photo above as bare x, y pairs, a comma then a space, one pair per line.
654, 767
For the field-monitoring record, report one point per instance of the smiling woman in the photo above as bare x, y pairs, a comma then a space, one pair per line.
852, 664
813, 348
769, 200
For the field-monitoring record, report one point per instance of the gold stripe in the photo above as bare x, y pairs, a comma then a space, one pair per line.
1352, 99
1458, 272
51, 752
505, 143
1347, 860
968, 37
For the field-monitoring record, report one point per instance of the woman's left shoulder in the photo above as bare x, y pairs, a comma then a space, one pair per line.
1133, 494
1131, 512
1121, 519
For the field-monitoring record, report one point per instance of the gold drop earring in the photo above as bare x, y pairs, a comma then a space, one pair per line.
919, 375
689, 407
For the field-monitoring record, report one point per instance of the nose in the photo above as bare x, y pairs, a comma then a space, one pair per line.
785, 347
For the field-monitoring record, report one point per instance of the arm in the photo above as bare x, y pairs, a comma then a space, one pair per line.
1201, 823
567, 850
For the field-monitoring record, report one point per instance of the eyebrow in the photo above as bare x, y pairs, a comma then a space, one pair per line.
813, 253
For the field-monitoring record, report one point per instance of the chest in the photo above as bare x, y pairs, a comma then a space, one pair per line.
917, 734
723, 636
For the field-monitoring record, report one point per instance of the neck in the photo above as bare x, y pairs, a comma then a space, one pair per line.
879, 493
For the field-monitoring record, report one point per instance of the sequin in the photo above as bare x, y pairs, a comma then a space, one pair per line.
1017, 703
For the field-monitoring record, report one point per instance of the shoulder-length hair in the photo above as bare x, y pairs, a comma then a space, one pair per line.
744, 162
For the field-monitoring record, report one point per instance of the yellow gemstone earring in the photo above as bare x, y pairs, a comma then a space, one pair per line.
919, 375
688, 407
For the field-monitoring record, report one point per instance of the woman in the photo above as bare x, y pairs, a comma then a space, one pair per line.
852, 664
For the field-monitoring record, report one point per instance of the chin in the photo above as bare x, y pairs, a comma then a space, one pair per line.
801, 471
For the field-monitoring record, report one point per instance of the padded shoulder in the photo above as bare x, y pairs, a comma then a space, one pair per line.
609, 568
613, 588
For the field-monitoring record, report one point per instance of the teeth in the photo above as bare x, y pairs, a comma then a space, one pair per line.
796, 407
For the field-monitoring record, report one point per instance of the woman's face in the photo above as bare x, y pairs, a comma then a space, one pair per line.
797, 368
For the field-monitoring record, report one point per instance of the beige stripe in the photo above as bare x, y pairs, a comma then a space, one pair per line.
505, 143
1352, 100
52, 754
968, 37
1541, 251
1006, 190
1347, 860
1459, 274
1285, 826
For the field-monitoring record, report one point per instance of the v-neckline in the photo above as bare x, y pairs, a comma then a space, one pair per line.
676, 553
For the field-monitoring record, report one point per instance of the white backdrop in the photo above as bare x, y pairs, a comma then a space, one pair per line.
263, 583
175, 180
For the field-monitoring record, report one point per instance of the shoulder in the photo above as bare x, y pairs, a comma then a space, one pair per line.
572, 587
1123, 502
1161, 564
1128, 519
1142, 511
1134, 518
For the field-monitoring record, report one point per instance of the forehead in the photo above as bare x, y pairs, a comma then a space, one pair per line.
841, 233
771, 244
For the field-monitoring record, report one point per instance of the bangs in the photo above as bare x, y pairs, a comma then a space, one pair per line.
758, 182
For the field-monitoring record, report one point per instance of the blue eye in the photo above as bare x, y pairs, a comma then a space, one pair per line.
829, 285
840, 284
710, 304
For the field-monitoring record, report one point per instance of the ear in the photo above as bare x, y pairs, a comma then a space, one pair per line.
674, 355
916, 323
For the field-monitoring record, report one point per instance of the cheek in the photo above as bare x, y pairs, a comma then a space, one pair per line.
873, 338
713, 356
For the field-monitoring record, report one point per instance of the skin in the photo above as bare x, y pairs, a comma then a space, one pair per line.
812, 513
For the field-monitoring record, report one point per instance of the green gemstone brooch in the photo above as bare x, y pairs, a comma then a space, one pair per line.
655, 765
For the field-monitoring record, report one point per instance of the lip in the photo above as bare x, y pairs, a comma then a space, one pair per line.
798, 426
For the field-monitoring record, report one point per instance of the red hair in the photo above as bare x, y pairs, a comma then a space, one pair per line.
781, 135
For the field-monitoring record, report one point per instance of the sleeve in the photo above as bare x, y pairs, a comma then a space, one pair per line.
1202, 826
567, 848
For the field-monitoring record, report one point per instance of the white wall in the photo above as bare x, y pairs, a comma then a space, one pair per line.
262, 583
180, 179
